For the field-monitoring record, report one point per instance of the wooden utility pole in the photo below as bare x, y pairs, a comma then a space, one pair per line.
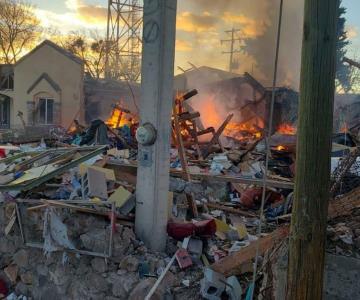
312, 183
232, 51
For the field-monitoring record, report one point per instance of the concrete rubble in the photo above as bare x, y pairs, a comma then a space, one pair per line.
67, 212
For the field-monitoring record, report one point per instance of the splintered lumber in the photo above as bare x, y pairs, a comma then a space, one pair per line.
215, 138
231, 210
183, 160
239, 179
187, 95
344, 205
180, 145
230, 265
127, 172
194, 135
189, 116
206, 131
61, 204
343, 168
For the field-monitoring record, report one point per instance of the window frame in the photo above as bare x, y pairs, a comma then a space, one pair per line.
46, 114
7, 82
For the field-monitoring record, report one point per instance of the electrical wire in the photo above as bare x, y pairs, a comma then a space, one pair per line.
267, 141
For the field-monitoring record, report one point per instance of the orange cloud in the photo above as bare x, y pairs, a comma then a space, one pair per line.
352, 32
191, 22
250, 28
92, 13
183, 46
88, 13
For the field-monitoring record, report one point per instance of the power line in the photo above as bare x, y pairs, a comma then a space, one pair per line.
232, 64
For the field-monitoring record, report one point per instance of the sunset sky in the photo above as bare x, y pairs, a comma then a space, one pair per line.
201, 25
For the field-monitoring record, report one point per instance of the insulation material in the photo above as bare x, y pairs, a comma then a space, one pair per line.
55, 232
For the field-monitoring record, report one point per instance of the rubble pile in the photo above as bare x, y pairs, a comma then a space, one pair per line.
68, 208
128, 274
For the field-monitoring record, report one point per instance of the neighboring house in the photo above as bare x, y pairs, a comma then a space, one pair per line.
101, 94
45, 87
222, 93
200, 76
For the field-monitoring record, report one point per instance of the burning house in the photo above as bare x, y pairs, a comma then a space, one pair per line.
222, 93
103, 97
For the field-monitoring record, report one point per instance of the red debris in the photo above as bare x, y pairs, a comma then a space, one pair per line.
252, 197
3, 288
183, 258
205, 228
179, 231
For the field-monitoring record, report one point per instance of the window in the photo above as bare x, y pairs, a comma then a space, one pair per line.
7, 82
46, 111
4, 112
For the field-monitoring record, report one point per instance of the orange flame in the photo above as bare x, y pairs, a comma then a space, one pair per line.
245, 130
280, 148
344, 129
286, 128
118, 119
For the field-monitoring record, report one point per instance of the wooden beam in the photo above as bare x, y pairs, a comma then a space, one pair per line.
218, 133
188, 116
230, 264
122, 170
231, 210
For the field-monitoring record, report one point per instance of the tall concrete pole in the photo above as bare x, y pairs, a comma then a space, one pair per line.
155, 108
312, 182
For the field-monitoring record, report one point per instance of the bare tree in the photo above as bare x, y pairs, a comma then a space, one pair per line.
19, 29
90, 47
355, 77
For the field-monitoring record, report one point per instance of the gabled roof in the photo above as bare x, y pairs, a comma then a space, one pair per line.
57, 48
237, 81
221, 74
47, 78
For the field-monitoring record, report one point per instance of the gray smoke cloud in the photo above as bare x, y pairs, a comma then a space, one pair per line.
258, 19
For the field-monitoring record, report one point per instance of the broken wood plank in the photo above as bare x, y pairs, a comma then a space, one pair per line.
122, 168
231, 210
215, 138
188, 116
121, 218
183, 160
206, 131
180, 145
230, 264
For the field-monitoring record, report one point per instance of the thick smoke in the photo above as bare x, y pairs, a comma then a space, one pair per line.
258, 21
